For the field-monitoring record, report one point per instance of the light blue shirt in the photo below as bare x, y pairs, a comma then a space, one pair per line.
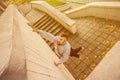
60, 50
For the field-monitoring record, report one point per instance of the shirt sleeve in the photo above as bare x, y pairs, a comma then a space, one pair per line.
47, 36
56, 51
65, 56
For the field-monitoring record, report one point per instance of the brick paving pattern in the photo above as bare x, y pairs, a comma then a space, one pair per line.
97, 36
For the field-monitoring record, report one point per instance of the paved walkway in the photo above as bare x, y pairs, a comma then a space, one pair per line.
97, 36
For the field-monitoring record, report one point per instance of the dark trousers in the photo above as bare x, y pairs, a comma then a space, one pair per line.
74, 52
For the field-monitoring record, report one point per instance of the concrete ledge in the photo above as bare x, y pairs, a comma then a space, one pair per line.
63, 7
56, 14
108, 10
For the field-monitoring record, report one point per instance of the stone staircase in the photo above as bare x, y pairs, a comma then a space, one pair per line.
50, 25
45, 22
42, 20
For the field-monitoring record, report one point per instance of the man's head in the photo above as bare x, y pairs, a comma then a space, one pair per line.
62, 40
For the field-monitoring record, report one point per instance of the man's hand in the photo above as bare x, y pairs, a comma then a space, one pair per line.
56, 64
35, 30
58, 55
30, 24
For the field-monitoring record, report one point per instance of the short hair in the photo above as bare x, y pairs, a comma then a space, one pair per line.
63, 35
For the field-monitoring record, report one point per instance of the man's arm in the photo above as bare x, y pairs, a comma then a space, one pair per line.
44, 34
64, 58
56, 51
47, 36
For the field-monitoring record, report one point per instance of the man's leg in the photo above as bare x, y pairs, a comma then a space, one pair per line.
74, 52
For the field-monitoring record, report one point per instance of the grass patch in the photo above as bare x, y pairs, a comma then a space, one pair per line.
54, 3
17, 2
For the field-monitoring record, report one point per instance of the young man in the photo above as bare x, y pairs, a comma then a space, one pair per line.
62, 47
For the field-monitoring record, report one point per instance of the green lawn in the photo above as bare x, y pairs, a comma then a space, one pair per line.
54, 3
17, 2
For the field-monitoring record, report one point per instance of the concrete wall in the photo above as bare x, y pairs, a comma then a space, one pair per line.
87, 1
56, 14
5, 42
24, 54
103, 0
109, 67
108, 10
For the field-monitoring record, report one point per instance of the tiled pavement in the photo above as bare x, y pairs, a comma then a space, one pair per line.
97, 36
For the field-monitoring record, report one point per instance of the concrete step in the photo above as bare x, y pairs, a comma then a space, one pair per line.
56, 31
47, 25
40, 21
37, 24
43, 24
34, 15
53, 27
